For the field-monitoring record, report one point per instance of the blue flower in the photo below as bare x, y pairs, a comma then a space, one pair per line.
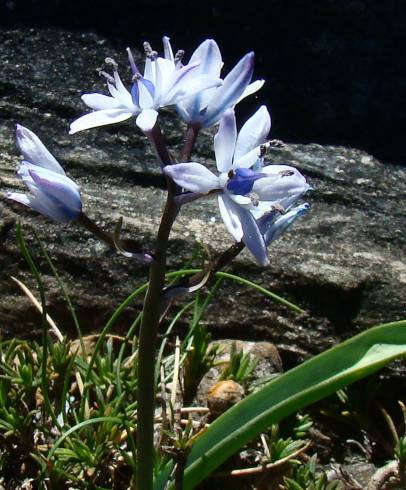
273, 224
52, 193
164, 82
204, 109
249, 194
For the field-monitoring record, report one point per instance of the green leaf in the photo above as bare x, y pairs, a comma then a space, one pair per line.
307, 383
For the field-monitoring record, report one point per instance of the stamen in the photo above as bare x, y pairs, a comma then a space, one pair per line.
270, 216
277, 208
107, 76
262, 150
231, 174
254, 198
286, 173
277, 143
136, 77
178, 57
111, 62
134, 68
149, 52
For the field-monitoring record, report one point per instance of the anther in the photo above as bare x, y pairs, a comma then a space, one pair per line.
277, 208
149, 52
106, 75
231, 174
179, 55
254, 198
111, 62
262, 150
136, 77
286, 173
277, 143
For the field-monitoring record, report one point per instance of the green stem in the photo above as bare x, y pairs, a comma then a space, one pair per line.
149, 328
95, 229
146, 351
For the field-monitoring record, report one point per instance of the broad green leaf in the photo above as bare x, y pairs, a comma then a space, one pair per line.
307, 383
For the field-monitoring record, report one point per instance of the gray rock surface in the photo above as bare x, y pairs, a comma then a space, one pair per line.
344, 262
334, 72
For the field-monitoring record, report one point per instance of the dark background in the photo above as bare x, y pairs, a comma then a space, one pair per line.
335, 70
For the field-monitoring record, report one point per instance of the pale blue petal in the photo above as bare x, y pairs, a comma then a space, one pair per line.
273, 229
52, 194
242, 225
193, 177
191, 84
248, 160
150, 70
34, 151
251, 89
177, 85
278, 169
122, 93
224, 141
269, 189
18, 197
100, 118
209, 58
58, 187
231, 217
145, 93
253, 133
44, 206
98, 102
147, 119
227, 95
282, 182
241, 200
164, 76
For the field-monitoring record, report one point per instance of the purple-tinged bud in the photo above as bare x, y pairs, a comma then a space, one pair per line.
52, 193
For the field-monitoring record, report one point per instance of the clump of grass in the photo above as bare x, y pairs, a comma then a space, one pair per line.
68, 408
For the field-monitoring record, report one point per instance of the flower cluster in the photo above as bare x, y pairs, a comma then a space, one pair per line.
252, 198
257, 202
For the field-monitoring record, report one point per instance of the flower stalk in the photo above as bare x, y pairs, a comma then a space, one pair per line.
149, 330
146, 350
190, 139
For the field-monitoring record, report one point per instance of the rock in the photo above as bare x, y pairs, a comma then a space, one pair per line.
267, 361
358, 473
224, 395
333, 71
343, 263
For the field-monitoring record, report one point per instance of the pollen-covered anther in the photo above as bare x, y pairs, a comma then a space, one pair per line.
111, 62
286, 173
262, 150
277, 208
179, 55
254, 198
149, 52
136, 77
277, 143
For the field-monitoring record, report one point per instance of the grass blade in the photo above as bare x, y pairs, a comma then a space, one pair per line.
305, 384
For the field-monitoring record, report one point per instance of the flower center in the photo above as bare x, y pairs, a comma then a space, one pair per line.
242, 180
